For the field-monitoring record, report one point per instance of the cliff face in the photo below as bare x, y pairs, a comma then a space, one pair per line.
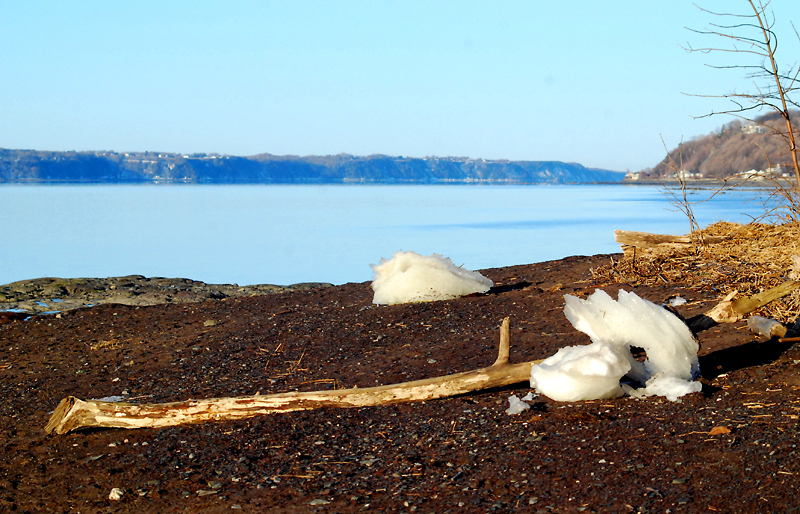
29, 166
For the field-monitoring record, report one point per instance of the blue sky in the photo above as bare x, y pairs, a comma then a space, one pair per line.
577, 81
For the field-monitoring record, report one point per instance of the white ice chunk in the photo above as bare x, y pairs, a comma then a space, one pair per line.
633, 321
109, 399
516, 405
762, 326
581, 373
591, 372
410, 277
674, 302
529, 397
670, 386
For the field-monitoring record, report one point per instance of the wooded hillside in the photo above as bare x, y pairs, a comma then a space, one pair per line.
735, 148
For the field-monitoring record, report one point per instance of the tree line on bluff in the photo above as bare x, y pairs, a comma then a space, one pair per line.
30, 166
735, 148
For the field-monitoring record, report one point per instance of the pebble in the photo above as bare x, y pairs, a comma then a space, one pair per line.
319, 502
116, 494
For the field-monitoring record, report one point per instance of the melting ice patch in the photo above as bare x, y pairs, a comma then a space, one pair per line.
594, 371
674, 302
670, 386
410, 277
516, 405
111, 399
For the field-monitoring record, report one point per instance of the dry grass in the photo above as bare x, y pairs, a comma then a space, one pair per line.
753, 258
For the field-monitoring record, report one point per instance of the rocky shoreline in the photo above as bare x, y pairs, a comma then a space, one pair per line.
51, 294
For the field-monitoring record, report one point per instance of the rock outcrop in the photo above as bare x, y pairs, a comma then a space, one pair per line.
43, 295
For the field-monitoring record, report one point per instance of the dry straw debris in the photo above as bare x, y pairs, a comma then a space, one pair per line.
753, 257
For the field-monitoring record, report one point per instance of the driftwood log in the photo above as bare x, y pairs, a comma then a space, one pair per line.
648, 240
630, 241
75, 414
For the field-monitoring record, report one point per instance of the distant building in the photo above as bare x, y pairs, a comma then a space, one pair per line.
753, 129
684, 174
769, 172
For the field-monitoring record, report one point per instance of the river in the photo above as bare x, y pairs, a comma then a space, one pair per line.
284, 234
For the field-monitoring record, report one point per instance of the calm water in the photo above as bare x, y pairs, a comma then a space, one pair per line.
288, 234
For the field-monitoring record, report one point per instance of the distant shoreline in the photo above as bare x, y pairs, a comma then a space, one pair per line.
669, 182
708, 183
345, 183
33, 166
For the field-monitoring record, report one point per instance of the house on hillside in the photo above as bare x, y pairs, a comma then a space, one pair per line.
775, 171
753, 128
686, 174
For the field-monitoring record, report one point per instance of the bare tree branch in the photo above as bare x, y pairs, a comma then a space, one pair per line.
757, 35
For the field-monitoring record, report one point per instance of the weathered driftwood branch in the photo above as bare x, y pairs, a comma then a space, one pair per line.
648, 240
74, 414
731, 311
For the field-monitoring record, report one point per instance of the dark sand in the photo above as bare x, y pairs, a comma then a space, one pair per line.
731, 448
